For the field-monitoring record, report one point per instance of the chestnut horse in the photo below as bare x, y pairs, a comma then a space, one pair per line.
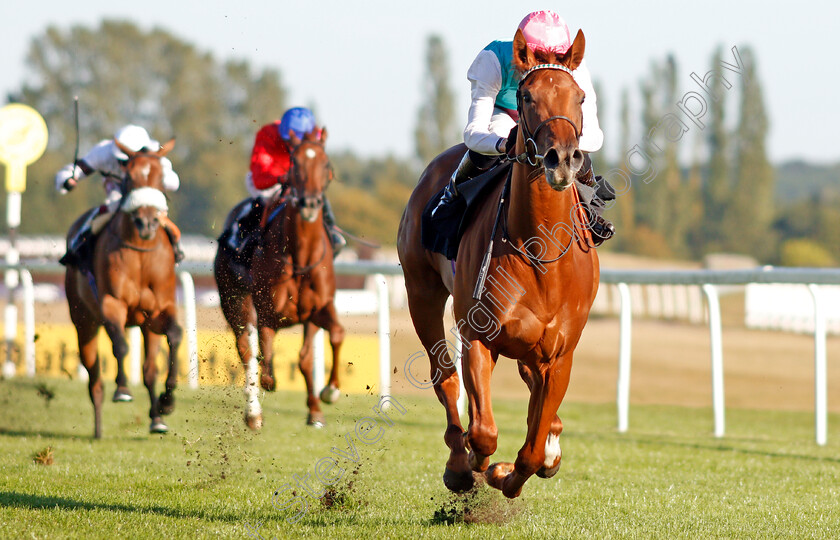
291, 281
542, 279
131, 283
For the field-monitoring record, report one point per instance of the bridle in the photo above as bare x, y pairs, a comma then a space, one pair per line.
530, 155
295, 196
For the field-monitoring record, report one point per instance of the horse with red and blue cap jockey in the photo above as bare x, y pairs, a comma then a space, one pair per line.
269, 174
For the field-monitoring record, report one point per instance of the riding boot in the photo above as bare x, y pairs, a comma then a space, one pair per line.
596, 190
465, 171
336, 238
79, 246
174, 234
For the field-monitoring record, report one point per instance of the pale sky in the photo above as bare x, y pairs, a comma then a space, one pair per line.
361, 63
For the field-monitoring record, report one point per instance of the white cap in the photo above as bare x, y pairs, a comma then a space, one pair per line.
135, 138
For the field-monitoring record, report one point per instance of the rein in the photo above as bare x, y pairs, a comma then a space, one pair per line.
291, 196
532, 158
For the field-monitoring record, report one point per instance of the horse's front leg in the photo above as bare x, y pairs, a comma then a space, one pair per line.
539, 453
482, 434
174, 334
266, 343
151, 344
306, 364
331, 392
115, 313
552, 443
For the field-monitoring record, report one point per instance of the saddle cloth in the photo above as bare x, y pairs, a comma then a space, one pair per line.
442, 232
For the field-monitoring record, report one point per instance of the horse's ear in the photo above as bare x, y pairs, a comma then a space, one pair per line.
166, 147
294, 140
523, 57
574, 56
323, 135
124, 149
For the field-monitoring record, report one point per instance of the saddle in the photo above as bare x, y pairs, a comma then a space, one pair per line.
243, 234
442, 232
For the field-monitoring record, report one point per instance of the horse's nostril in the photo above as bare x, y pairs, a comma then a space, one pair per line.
576, 160
551, 160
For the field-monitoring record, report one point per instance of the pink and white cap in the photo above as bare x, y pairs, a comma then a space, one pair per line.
546, 31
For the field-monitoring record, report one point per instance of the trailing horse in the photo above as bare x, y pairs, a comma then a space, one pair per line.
290, 281
130, 281
541, 276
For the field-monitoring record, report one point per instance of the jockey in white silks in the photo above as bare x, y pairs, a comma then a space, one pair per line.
109, 161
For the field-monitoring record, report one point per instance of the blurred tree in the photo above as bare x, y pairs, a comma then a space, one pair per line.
717, 189
435, 130
748, 217
122, 75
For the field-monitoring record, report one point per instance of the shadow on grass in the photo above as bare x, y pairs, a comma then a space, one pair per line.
44, 434
40, 502
713, 446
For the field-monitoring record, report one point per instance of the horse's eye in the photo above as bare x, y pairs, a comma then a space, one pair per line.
526, 98
582, 100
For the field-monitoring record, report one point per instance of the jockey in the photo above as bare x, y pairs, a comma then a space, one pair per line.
493, 113
109, 161
268, 175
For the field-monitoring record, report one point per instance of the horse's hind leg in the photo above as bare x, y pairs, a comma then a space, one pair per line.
306, 364
151, 343
89, 357
552, 443
547, 392
426, 303
174, 334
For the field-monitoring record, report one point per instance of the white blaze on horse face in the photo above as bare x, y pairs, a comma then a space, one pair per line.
310, 153
552, 449
145, 170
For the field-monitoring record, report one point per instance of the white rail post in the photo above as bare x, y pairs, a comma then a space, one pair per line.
190, 321
716, 346
384, 330
28, 321
135, 370
820, 371
624, 349
318, 365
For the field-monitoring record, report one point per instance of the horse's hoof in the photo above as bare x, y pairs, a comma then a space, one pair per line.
479, 464
330, 394
254, 422
497, 473
122, 395
166, 403
458, 482
316, 420
267, 383
548, 472
158, 426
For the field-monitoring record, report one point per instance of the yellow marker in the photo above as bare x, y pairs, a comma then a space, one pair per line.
23, 139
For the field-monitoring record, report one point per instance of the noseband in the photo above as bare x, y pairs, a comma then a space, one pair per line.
531, 155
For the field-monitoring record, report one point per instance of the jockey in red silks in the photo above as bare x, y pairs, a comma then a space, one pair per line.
109, 161
268, 175
493, 114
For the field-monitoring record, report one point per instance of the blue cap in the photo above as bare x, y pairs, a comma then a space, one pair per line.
298, 119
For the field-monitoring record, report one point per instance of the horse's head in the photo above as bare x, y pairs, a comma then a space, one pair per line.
311, 173
143, 197
550, 113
